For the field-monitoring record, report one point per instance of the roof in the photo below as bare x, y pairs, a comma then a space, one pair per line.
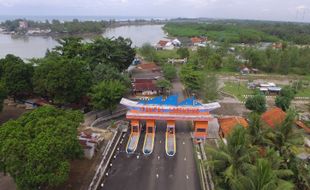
143, 80
198, 40
162, 43
144, 86
273, 117
302, 125
228, 123
148, 66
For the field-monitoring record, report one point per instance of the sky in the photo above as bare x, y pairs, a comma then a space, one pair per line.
280, 10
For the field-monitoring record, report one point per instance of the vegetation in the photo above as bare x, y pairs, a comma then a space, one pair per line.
191, 77
169, 71
148, 52
36, 148
183, 52
260, 157
16, 76
256, 103
242, 31
210, 88
283, 101
107, 94
237, 89
164, 85
68, 27
3, 94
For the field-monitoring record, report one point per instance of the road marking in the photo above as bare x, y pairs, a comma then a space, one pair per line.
184, 158
138, 156
183, 142
160, 141
157, 176
158, 157
187, 177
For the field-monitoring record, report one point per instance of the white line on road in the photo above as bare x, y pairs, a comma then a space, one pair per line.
184, 158
157, 176
183, 142
158, 157
187, 177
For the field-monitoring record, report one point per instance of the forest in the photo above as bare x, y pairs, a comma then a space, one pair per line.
242, 31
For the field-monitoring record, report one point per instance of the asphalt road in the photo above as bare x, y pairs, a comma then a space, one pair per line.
156, 171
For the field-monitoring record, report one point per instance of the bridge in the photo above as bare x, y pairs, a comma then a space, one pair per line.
144, 114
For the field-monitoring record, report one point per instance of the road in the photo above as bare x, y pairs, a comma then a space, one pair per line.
157, 171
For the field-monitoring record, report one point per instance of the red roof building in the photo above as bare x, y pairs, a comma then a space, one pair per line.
228, 123
198, 40
273, 117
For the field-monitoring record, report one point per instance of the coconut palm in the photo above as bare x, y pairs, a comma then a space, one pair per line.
231, 158
262, 176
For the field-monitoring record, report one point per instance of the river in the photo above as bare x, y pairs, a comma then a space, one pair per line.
35, 46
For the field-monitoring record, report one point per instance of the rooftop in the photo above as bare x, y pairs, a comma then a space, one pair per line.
273, 117
228, 123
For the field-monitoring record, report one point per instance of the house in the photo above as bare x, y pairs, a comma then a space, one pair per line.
176, 42
245, 71
164, 44
273, 117
228, 123
276, 116
199, 41
144, 86
277, 45
269, 88
89, 141
23, 24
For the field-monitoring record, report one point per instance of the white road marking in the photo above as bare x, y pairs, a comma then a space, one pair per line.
183, 142
138, 156
157, 176
160, 141
187, 177
158, 157
184, 158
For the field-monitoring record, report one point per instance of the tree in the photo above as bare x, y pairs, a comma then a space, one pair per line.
169, 71
164, 85
183, 52
191, 78
36, 148
3, 94
16, 76
148, 52
107, 94
283, 101
210, 88
215, 61
62, 79
232, 158
104, 72
256, 103
262, 176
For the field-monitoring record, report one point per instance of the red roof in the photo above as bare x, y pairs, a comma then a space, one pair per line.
162, 43
145, 80
139, 87
273, 117
198, 40
228, 123
149, 66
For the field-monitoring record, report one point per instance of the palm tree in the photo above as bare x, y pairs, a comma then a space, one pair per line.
257, 132
262, 176
231, 159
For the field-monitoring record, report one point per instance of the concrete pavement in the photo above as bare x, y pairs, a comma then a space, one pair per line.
156, 171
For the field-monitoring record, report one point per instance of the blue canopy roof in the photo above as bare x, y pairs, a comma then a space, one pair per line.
171, 101
190, 102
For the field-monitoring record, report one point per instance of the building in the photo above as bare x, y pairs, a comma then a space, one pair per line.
199, 41
227, 124
144, 86
89, 141
164, 45
23, 24
273, 117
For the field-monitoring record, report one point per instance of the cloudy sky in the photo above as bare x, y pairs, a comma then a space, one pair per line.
285, 10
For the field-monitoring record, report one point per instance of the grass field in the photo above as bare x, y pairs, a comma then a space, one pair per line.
303, 93
237, 89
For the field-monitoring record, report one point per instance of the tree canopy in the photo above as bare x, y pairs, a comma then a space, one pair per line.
256, 103
107, 94
169, 71
16, 76
36, 148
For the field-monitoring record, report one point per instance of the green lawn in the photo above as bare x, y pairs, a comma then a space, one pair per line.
303, 93
238, 90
